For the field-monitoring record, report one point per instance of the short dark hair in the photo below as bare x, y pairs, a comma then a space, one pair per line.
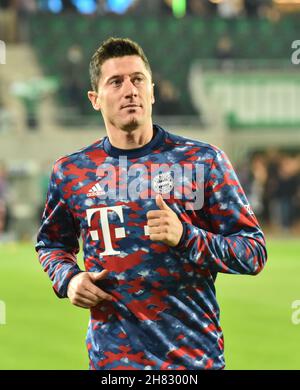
112, 48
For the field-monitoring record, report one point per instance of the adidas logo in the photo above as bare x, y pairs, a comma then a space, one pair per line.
96, 190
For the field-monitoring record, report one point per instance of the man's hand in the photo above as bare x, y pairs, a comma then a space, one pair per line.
83, 292
164, 225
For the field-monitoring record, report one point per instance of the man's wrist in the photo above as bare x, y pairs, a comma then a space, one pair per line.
182, 240
76, 273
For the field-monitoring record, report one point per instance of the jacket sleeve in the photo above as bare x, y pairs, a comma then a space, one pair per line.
232, 241
57, 241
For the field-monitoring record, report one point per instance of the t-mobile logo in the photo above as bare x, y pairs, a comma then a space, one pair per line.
119, 232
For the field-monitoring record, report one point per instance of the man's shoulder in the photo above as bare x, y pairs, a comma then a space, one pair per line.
192, 145
79, 155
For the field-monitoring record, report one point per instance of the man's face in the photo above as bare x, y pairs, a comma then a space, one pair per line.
125, 93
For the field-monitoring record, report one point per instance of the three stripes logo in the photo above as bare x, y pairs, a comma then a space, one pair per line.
96, 190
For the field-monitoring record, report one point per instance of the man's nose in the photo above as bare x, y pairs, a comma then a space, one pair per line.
130, 88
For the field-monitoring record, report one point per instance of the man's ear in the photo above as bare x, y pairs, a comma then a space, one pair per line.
94, 99
152, 94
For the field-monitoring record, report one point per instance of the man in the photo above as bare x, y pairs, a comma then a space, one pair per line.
152, 245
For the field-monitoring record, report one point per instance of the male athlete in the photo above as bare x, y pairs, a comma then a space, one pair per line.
160, 215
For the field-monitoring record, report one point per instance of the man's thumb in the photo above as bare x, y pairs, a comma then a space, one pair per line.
160, 203
99, 275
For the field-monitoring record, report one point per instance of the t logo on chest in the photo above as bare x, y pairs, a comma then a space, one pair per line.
104, 222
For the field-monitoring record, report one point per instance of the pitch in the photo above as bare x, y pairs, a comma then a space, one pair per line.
44, 332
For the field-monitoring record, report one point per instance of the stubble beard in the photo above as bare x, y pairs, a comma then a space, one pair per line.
131, 125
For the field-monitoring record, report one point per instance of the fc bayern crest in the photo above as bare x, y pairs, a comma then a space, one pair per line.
163, 183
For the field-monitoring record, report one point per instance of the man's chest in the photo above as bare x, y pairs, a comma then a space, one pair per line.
110, 201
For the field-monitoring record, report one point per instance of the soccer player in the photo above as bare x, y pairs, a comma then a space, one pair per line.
160, 215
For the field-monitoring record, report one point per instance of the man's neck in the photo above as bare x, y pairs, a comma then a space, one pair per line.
134, 139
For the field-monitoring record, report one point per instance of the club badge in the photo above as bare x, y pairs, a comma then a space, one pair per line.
163, 183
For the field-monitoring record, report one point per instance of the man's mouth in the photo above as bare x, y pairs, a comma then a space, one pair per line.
131, 105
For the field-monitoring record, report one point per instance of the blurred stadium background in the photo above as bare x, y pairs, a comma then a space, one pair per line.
226, 72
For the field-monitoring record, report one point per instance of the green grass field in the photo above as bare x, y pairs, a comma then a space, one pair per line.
44, 332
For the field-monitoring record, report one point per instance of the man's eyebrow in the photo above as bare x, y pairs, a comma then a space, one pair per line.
116, 76
136, 73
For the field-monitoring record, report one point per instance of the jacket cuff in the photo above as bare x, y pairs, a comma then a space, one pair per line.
61, 290
182, 242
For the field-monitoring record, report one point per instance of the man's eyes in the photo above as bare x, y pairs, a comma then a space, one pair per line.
118, 82
138, 79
